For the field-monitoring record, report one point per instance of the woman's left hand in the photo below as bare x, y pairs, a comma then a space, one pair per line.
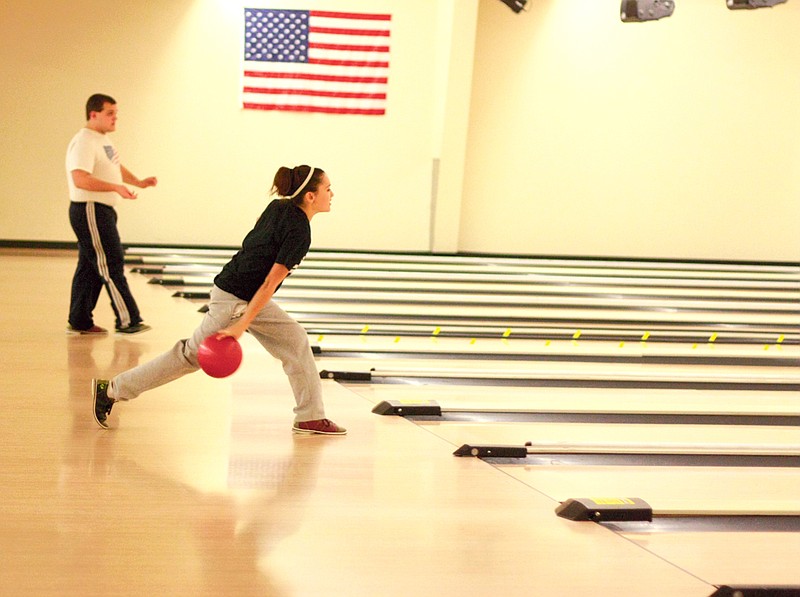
234, 331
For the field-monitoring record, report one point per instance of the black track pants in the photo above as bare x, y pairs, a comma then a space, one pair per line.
101, 263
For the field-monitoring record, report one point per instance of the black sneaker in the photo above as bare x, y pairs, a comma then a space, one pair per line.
95, 330
102, 403
136, 328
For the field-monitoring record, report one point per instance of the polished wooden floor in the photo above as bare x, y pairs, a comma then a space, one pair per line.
200, 488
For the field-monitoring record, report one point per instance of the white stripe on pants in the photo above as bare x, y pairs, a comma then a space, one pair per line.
117, 299
282, 336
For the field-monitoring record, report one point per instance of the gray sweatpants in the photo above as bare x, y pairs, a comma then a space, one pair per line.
282, 336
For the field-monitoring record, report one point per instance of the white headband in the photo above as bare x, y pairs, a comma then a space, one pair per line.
302, 186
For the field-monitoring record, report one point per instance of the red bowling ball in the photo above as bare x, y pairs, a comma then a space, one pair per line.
219, 356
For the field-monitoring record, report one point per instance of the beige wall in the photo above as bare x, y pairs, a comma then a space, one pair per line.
673, 138
173, 66
574, 134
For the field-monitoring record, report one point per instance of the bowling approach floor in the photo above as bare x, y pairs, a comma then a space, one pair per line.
201, 488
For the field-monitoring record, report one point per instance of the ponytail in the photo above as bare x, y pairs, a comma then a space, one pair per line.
293, 183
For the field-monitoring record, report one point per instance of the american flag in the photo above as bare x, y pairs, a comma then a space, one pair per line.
316, 61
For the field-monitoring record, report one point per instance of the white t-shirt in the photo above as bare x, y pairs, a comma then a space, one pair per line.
93, 152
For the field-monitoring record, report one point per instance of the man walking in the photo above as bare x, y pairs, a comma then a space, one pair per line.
95, 177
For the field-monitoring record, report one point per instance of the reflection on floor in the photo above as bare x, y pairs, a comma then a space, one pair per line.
200, 488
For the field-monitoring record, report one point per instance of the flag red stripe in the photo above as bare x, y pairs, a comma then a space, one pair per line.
348, 48
336, 30
347, 62
308, 77
293, 108
313, 93
350, 15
